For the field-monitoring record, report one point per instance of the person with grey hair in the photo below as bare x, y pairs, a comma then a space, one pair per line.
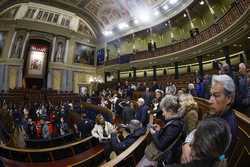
221, 101
243, 99
143, 112
165, 146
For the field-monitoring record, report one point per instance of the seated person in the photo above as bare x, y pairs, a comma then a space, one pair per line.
136, 130
211, 141
166, 141
84, 126
102, 129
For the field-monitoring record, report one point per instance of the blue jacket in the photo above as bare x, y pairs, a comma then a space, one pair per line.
118, 147
230, 118
142, 115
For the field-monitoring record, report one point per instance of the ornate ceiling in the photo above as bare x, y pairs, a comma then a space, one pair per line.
107, 14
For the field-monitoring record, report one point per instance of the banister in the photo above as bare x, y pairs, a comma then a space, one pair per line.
221, 24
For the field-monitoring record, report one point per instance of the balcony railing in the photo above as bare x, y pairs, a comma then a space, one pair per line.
236, 10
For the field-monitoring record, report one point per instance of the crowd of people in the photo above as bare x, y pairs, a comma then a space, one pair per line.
179, 135
42, 121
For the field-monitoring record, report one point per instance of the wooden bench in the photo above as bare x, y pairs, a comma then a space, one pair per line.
87, 158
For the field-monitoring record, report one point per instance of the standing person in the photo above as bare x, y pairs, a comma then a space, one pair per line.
221, 101
189, 111
156, 104
168, 137
45, 129
128, 111
243, 89
63, 127
142, 114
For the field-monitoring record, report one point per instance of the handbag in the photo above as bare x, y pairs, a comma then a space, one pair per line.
152, 153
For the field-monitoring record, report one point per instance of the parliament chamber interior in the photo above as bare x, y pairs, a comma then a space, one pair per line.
124, 83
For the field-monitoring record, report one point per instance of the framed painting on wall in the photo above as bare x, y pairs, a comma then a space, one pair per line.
37, 61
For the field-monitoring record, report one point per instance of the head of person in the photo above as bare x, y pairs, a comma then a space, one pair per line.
222, 93
100, 119
140, 102
169, 106
225, 68
62, 119
211, 139
242, 68
134, 125
187, 101
158, 94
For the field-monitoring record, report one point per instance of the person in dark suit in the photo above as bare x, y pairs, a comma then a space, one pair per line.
142, 114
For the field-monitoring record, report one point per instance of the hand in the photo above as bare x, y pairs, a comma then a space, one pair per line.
152, 131
186, 153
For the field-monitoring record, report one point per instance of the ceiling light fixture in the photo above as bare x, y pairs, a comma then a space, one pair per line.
123, 26
165, 7
136, 21
172, 2
156, 13
248, 37
202, 2
107, 33
184, 15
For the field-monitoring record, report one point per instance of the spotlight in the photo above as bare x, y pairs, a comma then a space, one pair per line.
165, 7
172, 1
123, 26
136, 21
107, 33
156, 13
202, 3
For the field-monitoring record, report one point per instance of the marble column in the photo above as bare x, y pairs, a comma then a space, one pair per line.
134, 73
70, 81
176, 70
66, 51
20, 77
118, 76
64, 80
49, 79
154, 73
2, 66
227, 57
199, 58
25, 43
53, 49
11, 44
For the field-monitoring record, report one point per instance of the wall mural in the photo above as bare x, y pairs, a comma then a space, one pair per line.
83, 28
59, 49
110, 12
17, 46
2, 42
84, 54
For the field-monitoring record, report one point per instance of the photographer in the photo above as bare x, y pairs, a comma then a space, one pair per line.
135, 131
